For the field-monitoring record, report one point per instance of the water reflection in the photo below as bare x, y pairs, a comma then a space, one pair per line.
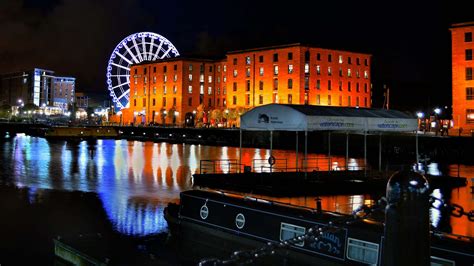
136, 180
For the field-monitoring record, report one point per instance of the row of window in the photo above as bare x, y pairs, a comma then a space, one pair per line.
307, 56
468, 37
290, 85
275, 99
306, 71
190, 102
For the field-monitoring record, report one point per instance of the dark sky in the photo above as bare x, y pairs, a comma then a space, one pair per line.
409, 40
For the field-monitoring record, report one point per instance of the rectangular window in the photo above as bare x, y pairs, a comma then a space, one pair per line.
365, 102
358, 61
190, 89
340, 85
224, 102
329, 71
329, 99
225, 68
209, 102
218, 102
357, 87
190, 101
349, 61
164, 69
275, 84
349, 101
349, 73
318, 69
469, 93
329, 85
218, 91
201, 69
357, 101
154, 90
247, 99
164, 89
290, 84
247, 60
290, 99
362, 251
154, 79
340, 100
260, 85
340, 72
235, 73
175, 89
329, 58
357, 74
224, 91
318, 84
348, 86
144, 90
468, 73
190, 68
306, 83
247, 85
340, 59
175, 78
218, 79
260, 99
134, 102
366, 62
275, 57
209, 79
209, 91
218, 69
190, 77
366, 74
318, 99
234, 86
135, 71
468, 54
144, 70
275, 70
154, 69
260, 59
234, 61
306, 56
247, 72
234, 100
175, 67
306, 68
467, 37
174, 101
154, 102
318, 56
290, 56
290, 69
165, 78
210, 68
201, 89
164, 101
261, 71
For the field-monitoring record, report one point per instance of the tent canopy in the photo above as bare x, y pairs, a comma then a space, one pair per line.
290, 117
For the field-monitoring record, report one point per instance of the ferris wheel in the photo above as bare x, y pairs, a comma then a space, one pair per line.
134, 49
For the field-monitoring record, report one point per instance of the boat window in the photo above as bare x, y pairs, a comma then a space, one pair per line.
204, 212
362, 251
289, 231
435, 261
240, 221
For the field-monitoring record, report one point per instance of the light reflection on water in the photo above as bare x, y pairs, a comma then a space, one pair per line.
136, 180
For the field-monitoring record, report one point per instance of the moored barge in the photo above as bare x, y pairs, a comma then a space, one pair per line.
213, 224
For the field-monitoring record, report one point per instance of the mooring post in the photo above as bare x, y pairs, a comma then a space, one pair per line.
407, 222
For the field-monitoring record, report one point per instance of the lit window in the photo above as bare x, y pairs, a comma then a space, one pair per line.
290, 99
201, 78
235, 72
136, 81
340, 59
318, 84
201, 89
318, 99
329, 71
218, 79
275, 70
225, 79
190, 89
362, 251
329, 99
190, 77
144, 90
247, 60
261, 71
349, 73
154, 90
224, 91
318, 69
218, 68
247, 72
366, 74
306, 68
175, 78
290, 83
190, 68
290, 69
357, 74
209, 90
165, 78
225, 68
154, 79
175, 89
209, 79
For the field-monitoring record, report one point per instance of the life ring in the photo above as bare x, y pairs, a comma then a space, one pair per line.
271, 160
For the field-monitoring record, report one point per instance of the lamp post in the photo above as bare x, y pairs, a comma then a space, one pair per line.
437, 112
420, 116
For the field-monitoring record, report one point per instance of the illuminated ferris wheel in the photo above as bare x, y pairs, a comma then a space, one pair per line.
134, 49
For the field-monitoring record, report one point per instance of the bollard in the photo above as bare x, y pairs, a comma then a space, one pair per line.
407, 222
318, 205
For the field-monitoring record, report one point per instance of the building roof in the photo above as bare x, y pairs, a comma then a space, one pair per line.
176, 59
274, 47
289, 117
462, 24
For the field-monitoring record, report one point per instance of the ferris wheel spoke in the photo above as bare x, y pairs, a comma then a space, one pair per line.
144, 48
123, 57
135, 45
119, 85
158, 50
166, 53
118, 76
130, 52
123, 95
120, 66
151, 48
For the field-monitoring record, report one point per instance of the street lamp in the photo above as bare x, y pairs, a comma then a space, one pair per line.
420, 115
437, 111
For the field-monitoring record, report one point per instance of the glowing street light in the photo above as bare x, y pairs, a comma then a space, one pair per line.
420, 115
437, 111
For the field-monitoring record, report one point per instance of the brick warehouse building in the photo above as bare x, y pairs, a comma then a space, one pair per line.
462, 76
177, 89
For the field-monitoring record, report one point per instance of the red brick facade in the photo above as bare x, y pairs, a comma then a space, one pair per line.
463, 82
294, 74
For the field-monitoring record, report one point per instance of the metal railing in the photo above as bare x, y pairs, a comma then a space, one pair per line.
263, 166
220, 166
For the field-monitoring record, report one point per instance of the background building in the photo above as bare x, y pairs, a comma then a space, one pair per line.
463, 83
186, 90
39, 87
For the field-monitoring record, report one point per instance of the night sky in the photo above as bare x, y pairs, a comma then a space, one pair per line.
409, 40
